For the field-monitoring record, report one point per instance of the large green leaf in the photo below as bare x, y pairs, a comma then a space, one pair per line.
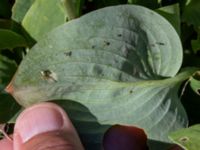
109, 66
43, 16
187, 138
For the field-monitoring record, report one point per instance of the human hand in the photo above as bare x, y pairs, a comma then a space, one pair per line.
41, 127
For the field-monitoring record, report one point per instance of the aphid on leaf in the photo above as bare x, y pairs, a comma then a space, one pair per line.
49, 75
68, 53
119, 35
160, 43
107, 43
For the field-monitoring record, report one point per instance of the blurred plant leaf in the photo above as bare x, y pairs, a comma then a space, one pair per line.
73, 8
43, 16
16, 28
172, 14
191, 12
20, 9
187, 138
10, 39
116, 70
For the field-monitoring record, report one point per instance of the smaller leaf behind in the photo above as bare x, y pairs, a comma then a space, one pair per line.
188, 138
10, 39
172, 14
195, 82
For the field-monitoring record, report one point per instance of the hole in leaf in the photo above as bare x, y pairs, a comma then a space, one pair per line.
184, 139
107, 43
49, 75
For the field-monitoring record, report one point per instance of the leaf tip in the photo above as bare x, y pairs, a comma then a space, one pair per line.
9, 88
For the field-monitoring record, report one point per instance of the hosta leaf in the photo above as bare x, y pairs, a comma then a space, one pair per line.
109, 66
188, 138
43, 16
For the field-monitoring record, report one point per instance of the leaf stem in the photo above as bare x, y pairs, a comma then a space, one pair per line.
70, 9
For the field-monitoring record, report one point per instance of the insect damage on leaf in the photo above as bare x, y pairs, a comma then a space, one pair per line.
49, 75
184, 139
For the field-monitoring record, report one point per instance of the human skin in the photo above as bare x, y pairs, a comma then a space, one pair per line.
43, 126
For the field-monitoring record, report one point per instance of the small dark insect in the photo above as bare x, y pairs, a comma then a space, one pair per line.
49, 75
131, 91
160, 43
107, 43
68, 53
119, 35
93, 46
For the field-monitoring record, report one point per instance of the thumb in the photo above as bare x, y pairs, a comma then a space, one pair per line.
45, 126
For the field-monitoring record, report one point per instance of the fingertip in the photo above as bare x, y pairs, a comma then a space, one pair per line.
42, 118
6, 144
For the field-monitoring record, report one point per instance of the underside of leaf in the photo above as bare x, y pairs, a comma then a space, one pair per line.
111, 66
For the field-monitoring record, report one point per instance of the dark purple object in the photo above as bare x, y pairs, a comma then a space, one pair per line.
125, 138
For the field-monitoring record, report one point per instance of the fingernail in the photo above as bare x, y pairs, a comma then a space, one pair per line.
39, 119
